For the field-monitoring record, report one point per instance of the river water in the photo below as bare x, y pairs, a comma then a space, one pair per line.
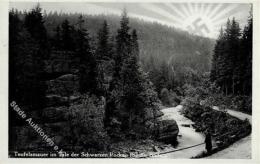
187, 135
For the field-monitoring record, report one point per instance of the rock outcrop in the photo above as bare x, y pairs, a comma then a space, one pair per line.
168, 131
72, 121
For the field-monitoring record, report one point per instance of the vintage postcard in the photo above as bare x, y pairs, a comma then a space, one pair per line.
131, 80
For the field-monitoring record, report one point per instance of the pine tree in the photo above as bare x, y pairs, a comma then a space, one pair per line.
15, 88
127, 81
131, 79
135, 46
87, 61
217, 53
104, 49
246, 56
232, 59
123, 43
104, 57
37, 39
15, 27
34, 23
57, 38
67, 41
234, 56
225, 64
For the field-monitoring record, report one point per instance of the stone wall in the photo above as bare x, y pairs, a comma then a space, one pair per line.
71, 120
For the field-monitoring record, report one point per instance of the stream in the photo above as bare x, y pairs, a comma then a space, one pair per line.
187, 135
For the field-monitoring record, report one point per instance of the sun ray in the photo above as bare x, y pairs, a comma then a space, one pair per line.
220, 21
224, 12
200, 8
176, 10
142, 17
184, 9
203, 8
215, 10
195, 7
223, 20
187, 8
161, 12
208, 9
190, 7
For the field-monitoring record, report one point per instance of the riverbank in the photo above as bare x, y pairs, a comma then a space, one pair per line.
186, 138
187, 135
240, 149
225, 128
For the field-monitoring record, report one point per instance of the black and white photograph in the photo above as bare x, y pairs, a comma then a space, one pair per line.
141, 80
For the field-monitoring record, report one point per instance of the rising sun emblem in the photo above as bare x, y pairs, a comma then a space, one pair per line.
201, 18
197, 18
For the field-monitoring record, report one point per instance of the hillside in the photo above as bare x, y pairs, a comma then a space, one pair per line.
156, 40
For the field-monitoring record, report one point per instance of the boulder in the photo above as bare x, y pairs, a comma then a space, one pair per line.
168, 131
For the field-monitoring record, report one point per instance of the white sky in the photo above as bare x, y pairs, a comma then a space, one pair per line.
197, 18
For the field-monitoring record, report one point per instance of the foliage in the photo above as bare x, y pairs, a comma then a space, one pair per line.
232, 59
209, 94
177, 48
225, 128
131, 90
86, 124
26, 59
164, 96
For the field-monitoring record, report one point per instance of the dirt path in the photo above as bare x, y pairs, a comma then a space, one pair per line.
240, 149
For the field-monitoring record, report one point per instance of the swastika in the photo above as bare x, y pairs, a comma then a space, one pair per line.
198, 28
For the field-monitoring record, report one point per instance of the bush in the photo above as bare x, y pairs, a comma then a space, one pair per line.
226, 128
174, 99
164, 96
86, 124
169, 98
242, 103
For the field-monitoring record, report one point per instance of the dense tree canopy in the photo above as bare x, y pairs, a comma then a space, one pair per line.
232, 59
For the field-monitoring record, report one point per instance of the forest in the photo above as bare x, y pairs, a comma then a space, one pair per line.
95, 80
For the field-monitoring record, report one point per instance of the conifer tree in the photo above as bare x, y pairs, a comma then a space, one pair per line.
67, 41
123, 43
135, 46
131, 79
87, 61
234, 54
37, 39
231, 62
34, 23
246, 56
57, 39
217, 53
15, 26
104, 57
104, 49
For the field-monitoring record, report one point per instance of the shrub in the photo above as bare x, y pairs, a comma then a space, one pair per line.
164, 96
226, 128
86, 124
